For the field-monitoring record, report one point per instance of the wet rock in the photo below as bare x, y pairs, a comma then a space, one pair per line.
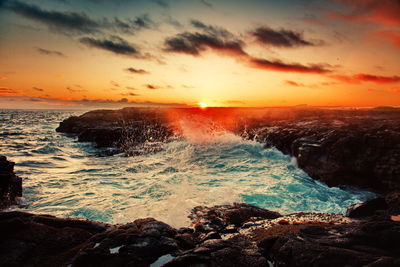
217, 218
10, 184
362, 151
216, 252
42, 240
126, 129
354, 244
367, 208
139, 243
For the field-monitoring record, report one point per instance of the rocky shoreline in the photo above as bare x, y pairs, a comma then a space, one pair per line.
340, 147
227, 235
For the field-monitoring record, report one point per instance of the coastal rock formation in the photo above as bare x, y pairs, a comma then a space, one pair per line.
362, 151
339, 147
126, 129
225, 235
10, 184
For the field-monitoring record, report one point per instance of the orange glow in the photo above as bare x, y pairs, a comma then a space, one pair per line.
202, 105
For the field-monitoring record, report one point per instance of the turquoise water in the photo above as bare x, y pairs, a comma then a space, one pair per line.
70, 179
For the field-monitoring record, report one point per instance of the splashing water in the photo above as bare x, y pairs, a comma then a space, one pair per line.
209, 166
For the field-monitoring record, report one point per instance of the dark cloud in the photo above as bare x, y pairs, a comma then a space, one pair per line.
114, 44
136, 71
382, 12
376, 78
162, 3
70, 22
276, 65
152, 86
293, 83
67, 22
6, 90
206, 3
194, 43
129, 94
115, 84
38, 89
72, 90
50, 52
280, 38
363, 77
227, 44
214, 30
215, 38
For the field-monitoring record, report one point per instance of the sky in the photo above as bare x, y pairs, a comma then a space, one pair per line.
245, 53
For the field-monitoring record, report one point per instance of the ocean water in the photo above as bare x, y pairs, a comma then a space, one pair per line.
207, 166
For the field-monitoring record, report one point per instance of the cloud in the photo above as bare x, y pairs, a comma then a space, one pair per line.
382, 12
162, 3
225, 43
6, 90
50, 52
392, 36
67, 22
195, 43
115, 84
2, 78
46, 102
72, 90
206, 3
136, 71
292, 83
214, 30
114, 44
362, 77
277, 65
280, 38
152, 86
129, 94
130, 88
38, 89
376, 78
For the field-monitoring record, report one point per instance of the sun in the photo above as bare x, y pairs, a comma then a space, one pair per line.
202, 105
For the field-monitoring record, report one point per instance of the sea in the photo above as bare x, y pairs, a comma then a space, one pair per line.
67, 178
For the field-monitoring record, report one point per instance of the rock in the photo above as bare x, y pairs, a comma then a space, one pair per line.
367, 208
42, 240
355, 244
341, 149
125, 129
10, 184
219, 217
216, 252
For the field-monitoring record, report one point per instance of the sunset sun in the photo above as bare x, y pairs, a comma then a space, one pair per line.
202, 105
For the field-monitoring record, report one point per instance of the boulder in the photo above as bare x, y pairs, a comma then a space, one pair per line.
10, 184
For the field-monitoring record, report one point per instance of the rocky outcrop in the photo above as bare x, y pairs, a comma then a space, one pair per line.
10, 184
225, 235
357, 151
339, 147
126, 129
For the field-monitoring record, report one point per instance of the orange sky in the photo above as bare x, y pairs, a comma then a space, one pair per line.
83, 54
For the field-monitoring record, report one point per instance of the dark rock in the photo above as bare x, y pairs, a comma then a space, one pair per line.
355, 244
217, 218
139, 243
37, 240
127, 129
362, 151
216, 252
10, 184
367, 208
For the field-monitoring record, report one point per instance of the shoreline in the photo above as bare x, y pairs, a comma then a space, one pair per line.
237, 234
